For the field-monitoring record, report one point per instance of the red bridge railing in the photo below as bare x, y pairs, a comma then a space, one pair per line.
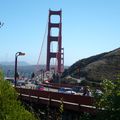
71, 102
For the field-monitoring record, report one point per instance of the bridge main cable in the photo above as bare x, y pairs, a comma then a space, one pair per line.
39, 58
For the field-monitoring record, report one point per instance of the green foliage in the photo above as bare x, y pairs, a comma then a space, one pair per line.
61, 109
86, 116
1, 75
10, 107
108, 103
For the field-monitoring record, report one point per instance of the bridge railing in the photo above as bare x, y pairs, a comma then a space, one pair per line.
73, 102
86, 100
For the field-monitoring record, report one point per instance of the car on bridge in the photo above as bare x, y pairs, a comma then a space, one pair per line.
66, 90
40, 87
78, 89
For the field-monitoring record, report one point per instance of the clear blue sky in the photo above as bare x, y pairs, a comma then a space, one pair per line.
89, 27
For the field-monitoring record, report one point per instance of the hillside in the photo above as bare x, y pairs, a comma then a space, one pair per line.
98, 67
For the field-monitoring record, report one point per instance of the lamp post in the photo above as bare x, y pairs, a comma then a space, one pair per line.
16, 73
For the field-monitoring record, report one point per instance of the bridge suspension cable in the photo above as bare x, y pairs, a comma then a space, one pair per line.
39, 58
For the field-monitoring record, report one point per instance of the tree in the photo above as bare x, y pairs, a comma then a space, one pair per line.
10, 107
108, 103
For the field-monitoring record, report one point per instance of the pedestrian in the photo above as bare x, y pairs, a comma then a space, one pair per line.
86, 91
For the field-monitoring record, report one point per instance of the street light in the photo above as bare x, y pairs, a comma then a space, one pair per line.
16, 73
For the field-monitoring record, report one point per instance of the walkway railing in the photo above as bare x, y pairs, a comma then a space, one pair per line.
71, 102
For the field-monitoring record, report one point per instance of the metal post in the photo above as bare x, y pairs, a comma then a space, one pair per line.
15, 69
16, 55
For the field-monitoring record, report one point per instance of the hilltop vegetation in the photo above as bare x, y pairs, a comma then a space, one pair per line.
98, 67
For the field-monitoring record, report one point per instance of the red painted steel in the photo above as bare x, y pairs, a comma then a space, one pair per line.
71, 102
57, 39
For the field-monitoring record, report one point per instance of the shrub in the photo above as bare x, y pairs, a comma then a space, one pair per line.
10, 107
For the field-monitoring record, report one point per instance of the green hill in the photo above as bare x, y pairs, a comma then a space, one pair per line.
98, 67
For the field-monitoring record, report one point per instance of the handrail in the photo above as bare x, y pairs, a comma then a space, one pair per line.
84, 100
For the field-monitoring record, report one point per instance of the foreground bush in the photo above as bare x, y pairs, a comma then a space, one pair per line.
10, 108
109, 101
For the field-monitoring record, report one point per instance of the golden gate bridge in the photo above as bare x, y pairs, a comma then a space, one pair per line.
70, 102
54, 36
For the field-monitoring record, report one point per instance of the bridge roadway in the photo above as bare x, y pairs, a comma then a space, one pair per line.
70, 102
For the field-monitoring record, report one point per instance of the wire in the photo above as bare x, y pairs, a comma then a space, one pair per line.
39, 58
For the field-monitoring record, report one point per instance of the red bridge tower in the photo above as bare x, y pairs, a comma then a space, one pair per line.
59, 54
